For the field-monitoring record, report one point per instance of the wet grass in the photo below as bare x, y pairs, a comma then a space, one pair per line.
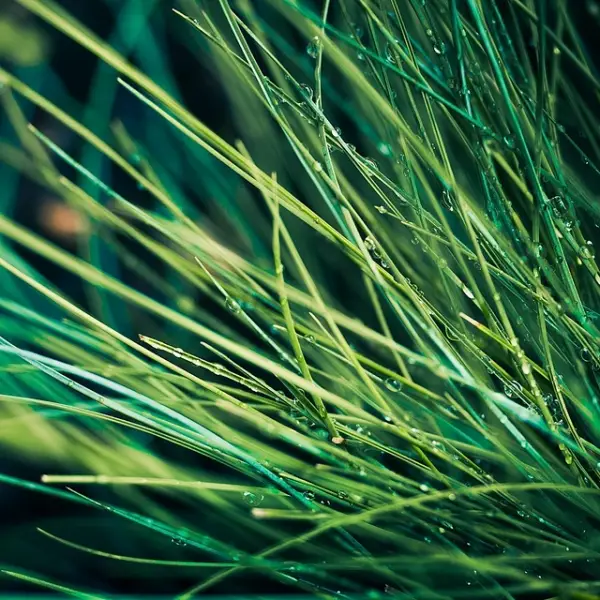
358, 355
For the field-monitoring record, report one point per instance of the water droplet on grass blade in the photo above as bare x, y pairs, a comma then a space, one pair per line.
313, 47
393, 385
586, 251
439, 48
233, 305
512, 388
371, 162
389, 54
179, 541
252, 499
447, 200
306, 90
509, 141
370, 243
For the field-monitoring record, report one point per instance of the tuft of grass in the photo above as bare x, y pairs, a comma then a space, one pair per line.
346, 345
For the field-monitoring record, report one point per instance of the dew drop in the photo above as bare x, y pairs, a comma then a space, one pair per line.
370, 243
371, 162
314, 47
511, 388
179, 541
586, 251
439, 48
447, 200
389, 54
252, 499
233, 306
306, 90
393, 385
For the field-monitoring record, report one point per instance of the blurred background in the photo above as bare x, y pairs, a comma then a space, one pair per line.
159, 43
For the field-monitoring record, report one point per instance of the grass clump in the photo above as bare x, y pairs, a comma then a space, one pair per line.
345, 347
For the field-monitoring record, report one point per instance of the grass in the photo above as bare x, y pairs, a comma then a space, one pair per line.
347, 347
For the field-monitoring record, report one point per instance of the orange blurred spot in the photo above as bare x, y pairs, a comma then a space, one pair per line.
62, 221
